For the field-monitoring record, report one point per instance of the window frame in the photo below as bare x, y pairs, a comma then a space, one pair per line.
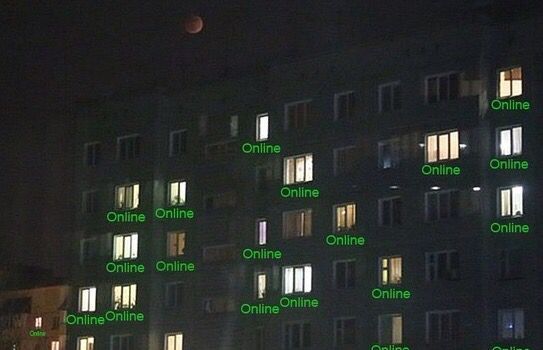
175, 345
261, 239
131, 236
438, 135
120, 337
305, 212
302, 324
182, 149
137, 148
441, 313
346, 263
122, 288
173, 284
124, 187
337, 219
521, 323
86, 338
169, 242
96, 146
380, 329
395, 150
258, 132
342, 320
337, 151
294, 159
509, 128
391, 85
307, 113
498, 82
305, 283
382, 269
434, 277
511, 201
90, 297
183, 193
450, 206
392, 200
438, 85
350, 114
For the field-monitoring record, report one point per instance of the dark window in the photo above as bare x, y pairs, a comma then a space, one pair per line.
344, 106
128, 147
390, 211
92, 154
298, 115
511, 262
442, 87
344, 274
174, 294
178, 142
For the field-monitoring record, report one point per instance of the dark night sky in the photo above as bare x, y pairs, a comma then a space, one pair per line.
53, 55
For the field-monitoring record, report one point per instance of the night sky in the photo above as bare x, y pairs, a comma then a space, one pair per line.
55, 55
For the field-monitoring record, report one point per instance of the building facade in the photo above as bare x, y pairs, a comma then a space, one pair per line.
380, 197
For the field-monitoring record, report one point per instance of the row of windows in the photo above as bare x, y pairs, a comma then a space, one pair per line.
440, 326
298, 279
439, 146
438, 205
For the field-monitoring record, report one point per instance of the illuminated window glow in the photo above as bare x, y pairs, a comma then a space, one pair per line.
297, 223
262, 127
442, 146
390, 329
173, 341
390, 270
298, 169
85, 343
297, 279
177, 192
511, 201
176, 243
87, 299
510, 82
510, 141
345, 216
125, 246
124, 296
127, 196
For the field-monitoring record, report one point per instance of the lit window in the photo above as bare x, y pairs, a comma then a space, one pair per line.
390, 329
176, 243
125, 246
443, 265
345, 217
391, 270
128, 147
344, 331
178, 142
177, 192
390, 211
390, 98
442, 146
85, 343
38, 322
55, 345
261, 285
297, 223
344, 159
389, 153
92, 153
261, 231
509, 141
174, 294
262, 127
124, 296
234, 126
89, 202
121, 342
344, 105
440, 205
127, 196
298, 169
297, 335
511, 324
297, 279
87, 299
511, 263
297, 115
442, 87
173, 341
344, 274
510, 82
442, 326
510, 201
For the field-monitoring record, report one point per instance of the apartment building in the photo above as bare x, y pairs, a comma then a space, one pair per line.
385, 196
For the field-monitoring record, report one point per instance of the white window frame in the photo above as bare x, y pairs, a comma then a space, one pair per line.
306, 216
89, 340
430, 277
181, 196
439, 195
395, 148
511, 144
391, 317
438, 76
262, 129
91, 303
135, 189
441, 314
303, 341
391, 85
307, 168
391, 210
261, 285
38, 322
234, 126
95, 145
131, 289
308, 101
388, 268
518, 324
335, 264
121, 337
350, 223
336, 158
513, 191
173, 284
262, 229
173, 239
55, 345
337, 96
290, 278
182, 133
511, 87
337, 330
439, 146
178, 337
128, 245
120, 139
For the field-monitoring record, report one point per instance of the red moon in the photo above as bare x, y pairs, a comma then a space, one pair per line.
194, 24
